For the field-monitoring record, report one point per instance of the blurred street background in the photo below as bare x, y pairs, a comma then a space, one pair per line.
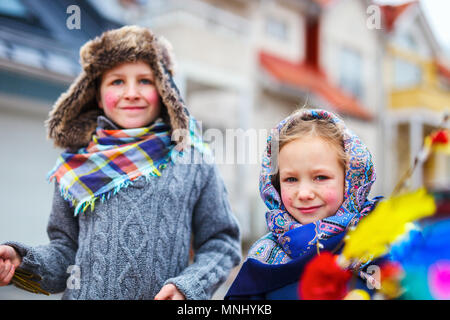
383, 66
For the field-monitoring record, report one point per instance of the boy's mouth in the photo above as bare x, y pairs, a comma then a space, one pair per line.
133, 107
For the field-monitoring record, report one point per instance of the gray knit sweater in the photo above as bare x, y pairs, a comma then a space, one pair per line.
138, 240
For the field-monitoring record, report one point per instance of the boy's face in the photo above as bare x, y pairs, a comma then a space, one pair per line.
128, 95
311, 179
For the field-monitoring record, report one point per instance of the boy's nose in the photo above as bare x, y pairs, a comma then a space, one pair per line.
131, 92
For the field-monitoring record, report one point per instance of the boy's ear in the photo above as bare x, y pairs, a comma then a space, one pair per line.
97, 93
99, 102
98, 99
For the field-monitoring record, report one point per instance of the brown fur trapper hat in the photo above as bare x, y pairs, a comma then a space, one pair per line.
73, 118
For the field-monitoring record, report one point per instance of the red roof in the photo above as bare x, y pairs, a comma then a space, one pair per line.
305, 77
323, 3
443, 70
392, 12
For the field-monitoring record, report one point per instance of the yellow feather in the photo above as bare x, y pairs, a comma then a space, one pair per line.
374, 234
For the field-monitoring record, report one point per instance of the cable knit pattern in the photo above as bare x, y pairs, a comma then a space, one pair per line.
138, 240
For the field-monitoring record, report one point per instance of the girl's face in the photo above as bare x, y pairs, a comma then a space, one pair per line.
311, 179
128, 95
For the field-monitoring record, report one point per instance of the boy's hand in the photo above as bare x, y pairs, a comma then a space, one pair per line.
170, 292
9, 261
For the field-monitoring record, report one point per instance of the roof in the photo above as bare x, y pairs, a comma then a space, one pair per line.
390, 15
37, 36
443, 70
305, 77
392, 12
323, 3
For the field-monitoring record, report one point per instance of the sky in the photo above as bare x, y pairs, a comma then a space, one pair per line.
437, 12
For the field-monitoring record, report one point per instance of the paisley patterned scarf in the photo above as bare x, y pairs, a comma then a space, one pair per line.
288, 239
113, 159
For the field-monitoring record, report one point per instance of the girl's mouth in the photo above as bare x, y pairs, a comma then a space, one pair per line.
309, 209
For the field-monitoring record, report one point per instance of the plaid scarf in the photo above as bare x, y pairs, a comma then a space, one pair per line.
111, 161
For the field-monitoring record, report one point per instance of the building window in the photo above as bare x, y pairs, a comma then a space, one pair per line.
277, 28
406, 74
350, 78
407, 41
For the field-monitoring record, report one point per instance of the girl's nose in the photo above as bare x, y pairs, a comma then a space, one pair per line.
305, 192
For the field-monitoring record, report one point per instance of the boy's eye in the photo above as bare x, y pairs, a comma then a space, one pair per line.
146, 81
117, 82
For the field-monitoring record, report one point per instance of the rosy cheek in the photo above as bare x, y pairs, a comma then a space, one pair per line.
152, 97
331, 196
286, 198
111, 100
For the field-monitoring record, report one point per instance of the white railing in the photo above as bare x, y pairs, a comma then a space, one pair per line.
211, 15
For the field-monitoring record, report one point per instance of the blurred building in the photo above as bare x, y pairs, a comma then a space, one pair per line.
418, 82
244, 65
38, 60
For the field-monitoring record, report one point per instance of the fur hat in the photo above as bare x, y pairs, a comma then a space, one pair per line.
73, 118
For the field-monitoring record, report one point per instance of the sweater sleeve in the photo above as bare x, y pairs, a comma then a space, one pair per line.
216, 242
52, 260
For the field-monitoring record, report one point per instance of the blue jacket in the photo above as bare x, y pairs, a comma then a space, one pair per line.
260, 281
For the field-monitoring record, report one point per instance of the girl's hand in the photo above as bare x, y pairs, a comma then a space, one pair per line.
170, 292
9, 261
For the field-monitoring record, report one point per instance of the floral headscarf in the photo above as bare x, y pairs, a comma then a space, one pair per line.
289, 239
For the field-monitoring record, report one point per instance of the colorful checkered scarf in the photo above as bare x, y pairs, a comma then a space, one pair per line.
111, 161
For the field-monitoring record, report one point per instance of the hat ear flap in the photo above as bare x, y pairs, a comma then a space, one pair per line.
170, 95
166, 50
70, 106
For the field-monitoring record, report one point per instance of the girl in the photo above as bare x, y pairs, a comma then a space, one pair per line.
125, 204
315, 180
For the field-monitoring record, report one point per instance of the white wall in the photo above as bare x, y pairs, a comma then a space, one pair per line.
193, 40
25, 196
26, 157
370, 136
409, 33
293, 47
344, 24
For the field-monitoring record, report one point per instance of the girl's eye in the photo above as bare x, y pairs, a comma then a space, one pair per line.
320, 178
290, 179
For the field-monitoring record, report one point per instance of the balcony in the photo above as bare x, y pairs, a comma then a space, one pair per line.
421, 97
166, 12
425, 91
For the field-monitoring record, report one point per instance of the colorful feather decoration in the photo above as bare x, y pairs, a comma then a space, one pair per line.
425, 258
390, 219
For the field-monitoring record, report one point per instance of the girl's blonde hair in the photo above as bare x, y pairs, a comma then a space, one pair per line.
300, 126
